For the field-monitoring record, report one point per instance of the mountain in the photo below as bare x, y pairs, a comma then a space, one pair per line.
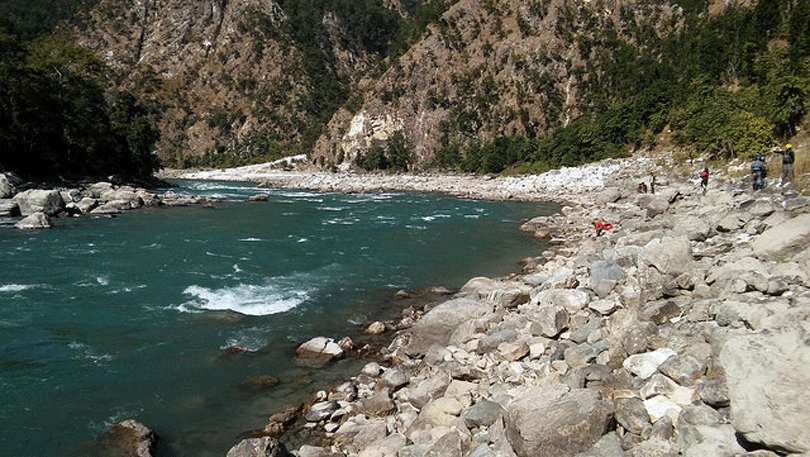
486, 69
486, 84
237, 80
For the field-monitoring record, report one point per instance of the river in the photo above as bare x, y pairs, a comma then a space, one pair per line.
107, 319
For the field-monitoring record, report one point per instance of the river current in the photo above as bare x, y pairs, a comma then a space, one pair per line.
107, 319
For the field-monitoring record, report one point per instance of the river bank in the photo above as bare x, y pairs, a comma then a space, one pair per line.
566, 185
679, 331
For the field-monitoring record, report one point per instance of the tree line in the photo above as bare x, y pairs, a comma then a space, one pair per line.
60, 119
730, 85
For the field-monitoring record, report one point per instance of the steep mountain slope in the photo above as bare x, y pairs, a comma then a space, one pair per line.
251, 80
231, 80
488, 68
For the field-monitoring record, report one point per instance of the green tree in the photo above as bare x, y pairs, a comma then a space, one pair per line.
400, 155
373, 159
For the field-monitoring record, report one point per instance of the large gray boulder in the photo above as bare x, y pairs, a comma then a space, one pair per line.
669, 255
781, 241
555, 421
34, 221
767, 374
437, 326
258, 447
39, 201
694, 227
608, 195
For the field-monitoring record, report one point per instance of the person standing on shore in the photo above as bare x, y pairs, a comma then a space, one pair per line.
704, 179
787, 162
758, 173
652, 183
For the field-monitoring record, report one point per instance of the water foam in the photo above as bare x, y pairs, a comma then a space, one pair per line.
248, 299
15, 287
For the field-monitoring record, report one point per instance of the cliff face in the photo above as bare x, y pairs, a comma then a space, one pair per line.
230, 80
233, 80
486, 69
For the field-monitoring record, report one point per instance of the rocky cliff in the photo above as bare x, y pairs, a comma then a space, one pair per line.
227, 75
237, 79
486, 69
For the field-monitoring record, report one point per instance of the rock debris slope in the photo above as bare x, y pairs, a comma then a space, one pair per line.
682, 331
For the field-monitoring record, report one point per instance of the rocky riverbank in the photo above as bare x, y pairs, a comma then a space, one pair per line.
38, 205
681, 331
569, 184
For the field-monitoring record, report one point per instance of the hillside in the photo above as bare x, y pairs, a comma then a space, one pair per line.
486, 69
238, 81
476, 85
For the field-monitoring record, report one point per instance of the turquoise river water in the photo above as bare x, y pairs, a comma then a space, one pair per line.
107, 319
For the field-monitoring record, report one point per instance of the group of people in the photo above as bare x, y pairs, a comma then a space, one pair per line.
759, 170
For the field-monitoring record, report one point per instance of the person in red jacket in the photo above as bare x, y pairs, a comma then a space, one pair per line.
704, 178
601, 227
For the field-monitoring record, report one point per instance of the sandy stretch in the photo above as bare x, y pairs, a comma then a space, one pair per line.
568, 184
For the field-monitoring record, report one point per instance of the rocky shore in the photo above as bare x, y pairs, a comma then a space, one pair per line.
681, 331
38, 205
567, 185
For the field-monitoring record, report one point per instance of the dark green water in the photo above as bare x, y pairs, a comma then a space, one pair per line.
107, 319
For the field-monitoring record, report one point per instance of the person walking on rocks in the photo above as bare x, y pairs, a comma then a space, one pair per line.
758, 172
704, 179
787, 163
652, 183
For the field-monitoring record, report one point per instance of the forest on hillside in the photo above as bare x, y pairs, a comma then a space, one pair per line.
731, 84
59, 117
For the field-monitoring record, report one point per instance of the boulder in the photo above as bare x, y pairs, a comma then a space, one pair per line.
128, 438
784, 239
87, 204
693, 227
555, 421
670, 255
631, 414
491, 342
644, 365
258, 198
39, 201
8, 207
428, 389
321, 410
7, 189
437, 326
123, 194
656, 206
572, 300
34, 221
549, 321
319, 349
767, 374
258, 447
483, 412
608, 195
703, 440
95, 190
605, 270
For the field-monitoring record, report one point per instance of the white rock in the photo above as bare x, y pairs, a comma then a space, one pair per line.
660, 406
644, 365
